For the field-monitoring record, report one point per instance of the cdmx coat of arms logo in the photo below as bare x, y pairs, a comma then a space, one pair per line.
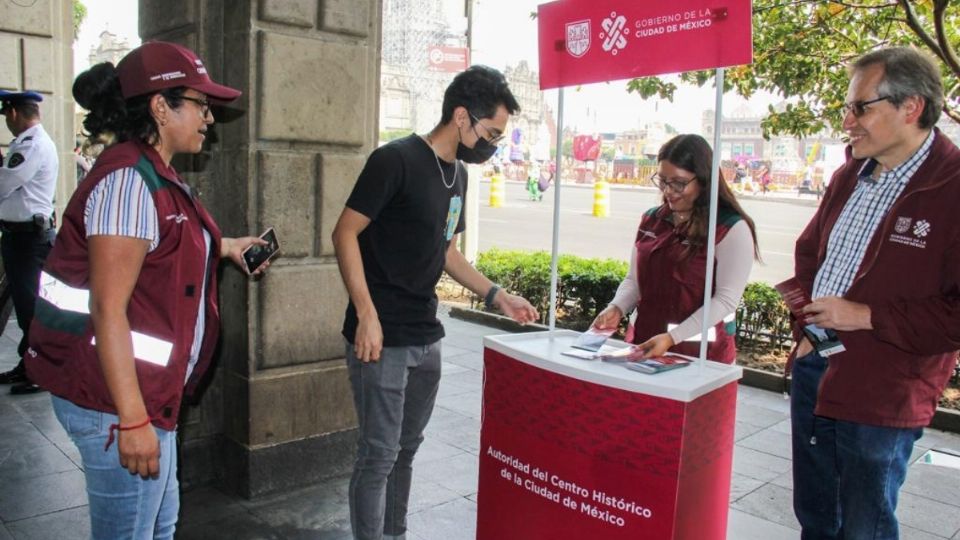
578, 38
902, 225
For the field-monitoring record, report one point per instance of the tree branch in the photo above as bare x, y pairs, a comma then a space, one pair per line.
952, 113
917, 28
948, 54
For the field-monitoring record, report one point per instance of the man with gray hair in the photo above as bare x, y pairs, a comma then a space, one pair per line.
881, 260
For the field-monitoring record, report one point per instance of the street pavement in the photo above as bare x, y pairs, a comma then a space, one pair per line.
42, 487
523, 224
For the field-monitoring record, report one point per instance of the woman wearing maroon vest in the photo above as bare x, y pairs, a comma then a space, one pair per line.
668, 262
127, 318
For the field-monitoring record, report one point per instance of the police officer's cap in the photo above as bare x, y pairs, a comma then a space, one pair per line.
15, 97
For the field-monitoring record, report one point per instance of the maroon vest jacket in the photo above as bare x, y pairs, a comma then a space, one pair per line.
163, 307
671, 284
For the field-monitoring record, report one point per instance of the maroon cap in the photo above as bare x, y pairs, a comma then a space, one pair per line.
157, 65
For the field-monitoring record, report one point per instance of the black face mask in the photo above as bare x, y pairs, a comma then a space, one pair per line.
482, 151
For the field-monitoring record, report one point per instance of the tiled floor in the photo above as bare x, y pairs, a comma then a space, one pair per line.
42, 488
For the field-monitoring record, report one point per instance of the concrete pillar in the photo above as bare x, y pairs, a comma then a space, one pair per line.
278, 412
36, 53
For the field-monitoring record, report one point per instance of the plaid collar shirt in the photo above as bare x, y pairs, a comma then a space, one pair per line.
859, 219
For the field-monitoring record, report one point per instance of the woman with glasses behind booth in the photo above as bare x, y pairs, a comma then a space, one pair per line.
127, 319
668, 261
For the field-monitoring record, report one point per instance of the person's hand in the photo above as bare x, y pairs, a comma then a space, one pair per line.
839, 314
368, 341
233, 248
608, 319
656, 346
515, 307
139, 451
804, 347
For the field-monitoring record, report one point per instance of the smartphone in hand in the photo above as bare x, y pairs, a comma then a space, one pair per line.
255, 255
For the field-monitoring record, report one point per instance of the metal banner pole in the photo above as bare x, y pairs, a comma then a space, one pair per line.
556, 213
712, 226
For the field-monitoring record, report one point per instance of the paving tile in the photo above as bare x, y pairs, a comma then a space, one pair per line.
23, 463
783, 427
934, 482
744, 526
4, 533
759, 465
425, 494
769, 441
741, 485
470, 360
759, 416
243, 526
20, 499
785, 480
742, 430
933, 438
70, 524
468, 379
909, 533
433, 448
465, 436
22, 435
466, 403
320, 510
450, 369
455, 520
956, 536
458, 473
449, 350
772, 503
207, 504
928, 515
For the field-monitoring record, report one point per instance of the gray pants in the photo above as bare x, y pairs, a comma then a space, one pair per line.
394, 398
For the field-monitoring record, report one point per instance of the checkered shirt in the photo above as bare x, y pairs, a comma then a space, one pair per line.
861, 215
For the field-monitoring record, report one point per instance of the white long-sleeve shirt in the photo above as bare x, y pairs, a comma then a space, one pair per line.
734, 255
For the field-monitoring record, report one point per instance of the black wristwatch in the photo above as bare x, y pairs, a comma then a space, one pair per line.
491, 294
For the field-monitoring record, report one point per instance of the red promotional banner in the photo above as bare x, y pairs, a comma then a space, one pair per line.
448, 59
586, 41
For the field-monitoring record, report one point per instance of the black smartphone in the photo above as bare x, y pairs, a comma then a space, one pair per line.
255, 255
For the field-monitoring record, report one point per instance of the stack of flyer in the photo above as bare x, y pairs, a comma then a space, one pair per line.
824, 340
590, 346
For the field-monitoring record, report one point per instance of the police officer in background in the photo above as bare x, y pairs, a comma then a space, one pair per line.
28, 180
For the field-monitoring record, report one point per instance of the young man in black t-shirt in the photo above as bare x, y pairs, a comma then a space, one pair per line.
395, 237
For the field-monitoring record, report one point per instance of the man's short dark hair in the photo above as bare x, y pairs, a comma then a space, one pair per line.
480, 89
26, 108
907, 72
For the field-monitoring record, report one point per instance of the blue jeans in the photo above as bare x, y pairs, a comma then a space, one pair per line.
122, 505
846, 476
394, 398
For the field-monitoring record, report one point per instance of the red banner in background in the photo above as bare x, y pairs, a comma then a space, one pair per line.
586, 148
586, 41
448, 59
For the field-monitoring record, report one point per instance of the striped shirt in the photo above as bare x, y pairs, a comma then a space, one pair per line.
861, 216
121, 205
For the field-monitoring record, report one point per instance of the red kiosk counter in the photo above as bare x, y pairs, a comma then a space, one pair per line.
583, 449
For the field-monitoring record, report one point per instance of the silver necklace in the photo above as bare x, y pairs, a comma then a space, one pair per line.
443, 177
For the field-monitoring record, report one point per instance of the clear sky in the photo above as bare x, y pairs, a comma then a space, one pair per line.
504, 34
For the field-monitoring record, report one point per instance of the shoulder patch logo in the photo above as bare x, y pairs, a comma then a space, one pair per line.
903, 224
922, 228
179, 218
15, 160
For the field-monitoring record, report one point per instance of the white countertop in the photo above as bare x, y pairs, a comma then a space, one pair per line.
543, 350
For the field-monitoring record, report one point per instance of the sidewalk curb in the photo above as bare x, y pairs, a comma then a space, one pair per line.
943, 419
792, 199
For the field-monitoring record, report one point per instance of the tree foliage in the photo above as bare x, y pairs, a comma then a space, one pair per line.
79, 14
802, 47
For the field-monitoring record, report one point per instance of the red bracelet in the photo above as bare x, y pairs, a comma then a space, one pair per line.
117, 427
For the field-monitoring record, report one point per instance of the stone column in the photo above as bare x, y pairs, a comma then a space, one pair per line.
278, 412
36, 53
